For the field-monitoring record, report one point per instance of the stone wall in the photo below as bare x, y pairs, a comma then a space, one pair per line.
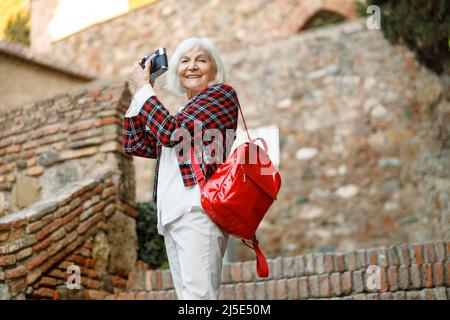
86, 217
111, 47
364, 140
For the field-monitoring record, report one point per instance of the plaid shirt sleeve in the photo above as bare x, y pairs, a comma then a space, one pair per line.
215, 107
136, 140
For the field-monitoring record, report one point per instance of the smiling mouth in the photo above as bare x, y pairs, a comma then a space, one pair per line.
192, 77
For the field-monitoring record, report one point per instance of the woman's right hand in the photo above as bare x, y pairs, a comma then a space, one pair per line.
140, 77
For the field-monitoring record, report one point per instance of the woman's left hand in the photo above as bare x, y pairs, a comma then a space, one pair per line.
139, 77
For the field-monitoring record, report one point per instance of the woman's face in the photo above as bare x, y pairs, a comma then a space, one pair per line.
195, 71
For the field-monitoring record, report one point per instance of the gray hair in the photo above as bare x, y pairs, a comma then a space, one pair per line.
173, 81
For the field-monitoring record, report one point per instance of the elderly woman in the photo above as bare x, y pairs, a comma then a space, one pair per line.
195, 245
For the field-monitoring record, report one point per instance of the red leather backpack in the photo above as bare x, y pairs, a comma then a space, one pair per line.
239, 193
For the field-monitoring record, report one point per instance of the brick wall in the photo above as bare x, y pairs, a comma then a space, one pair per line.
37, 243
407, 272
50, 143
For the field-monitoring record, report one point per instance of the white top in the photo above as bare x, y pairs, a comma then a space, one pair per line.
173, 197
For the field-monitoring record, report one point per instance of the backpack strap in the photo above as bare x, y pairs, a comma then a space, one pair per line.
261, 262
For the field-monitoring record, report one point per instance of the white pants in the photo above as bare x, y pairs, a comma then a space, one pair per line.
195, 246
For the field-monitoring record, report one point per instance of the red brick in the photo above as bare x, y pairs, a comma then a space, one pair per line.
7, 260
403, 278
430, 254
304, 288
249, 291
48, 229
48, 281
4, 236
42, 245
403, 252
89, 263
6, 168
346, 283
373, 296
34, 226
313, 284
236, 272
158, 280
358, 282
239, 288
229, 292
292, 285
324, 285
141, 296
440, 251
329, 263
415, 276
426, 294
78, 260
392, 278
427, 275
247, 271
260, 291
350, 261
383, 279
35, 171
335, 283
412, 295
24, 253
16, 272
399, 295
37, 261
281, 289
417, 253
386, 296
72, 215
438, 274
93, 284
372, 256
339, 262
13, 149
118, 282
447, 273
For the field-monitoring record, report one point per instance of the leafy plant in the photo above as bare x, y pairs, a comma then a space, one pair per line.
422, 25
151, 244
18, 29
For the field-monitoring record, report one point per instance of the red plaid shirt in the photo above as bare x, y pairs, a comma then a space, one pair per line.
216, 107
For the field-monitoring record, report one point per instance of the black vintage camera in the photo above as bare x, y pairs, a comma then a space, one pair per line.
159, 63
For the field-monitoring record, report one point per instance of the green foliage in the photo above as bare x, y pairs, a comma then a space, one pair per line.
151, 244
18, 29
361, 8
422, 25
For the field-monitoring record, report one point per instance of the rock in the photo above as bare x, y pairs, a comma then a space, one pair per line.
4, 292
122, 238
306, 153
25, 192
347, 191
310, 212
285, 103
101, 252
